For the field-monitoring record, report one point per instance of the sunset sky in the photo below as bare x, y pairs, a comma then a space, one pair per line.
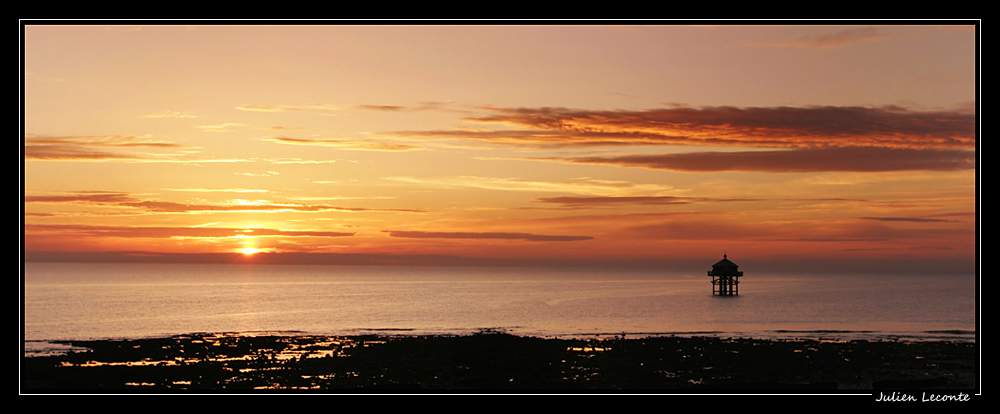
565, 143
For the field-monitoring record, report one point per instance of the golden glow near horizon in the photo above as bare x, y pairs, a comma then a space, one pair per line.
250, 251
562, 142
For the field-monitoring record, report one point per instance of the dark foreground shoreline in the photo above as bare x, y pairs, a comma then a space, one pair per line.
499, 362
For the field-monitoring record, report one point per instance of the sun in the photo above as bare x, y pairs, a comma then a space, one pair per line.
248, 251
249, 245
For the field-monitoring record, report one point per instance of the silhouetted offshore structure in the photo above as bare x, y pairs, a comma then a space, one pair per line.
725, 278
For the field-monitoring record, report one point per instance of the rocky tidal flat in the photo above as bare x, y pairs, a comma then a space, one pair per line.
496, 361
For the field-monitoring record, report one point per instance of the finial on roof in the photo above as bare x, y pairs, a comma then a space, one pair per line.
723, 255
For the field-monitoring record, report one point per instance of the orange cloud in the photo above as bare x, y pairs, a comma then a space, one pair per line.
345, 144
390, 108
82, 197
86, 148
613, 201
322, 109
599, 201
909, 219
466, 235
220, 190
173, 232
318, 108
104, 148
782, 127
153, 206
224, 127
170, 114
581, 185
849, 159
720, 226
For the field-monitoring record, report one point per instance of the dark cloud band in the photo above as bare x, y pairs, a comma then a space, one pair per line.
851, 159
464, 235
786, 127
172, 232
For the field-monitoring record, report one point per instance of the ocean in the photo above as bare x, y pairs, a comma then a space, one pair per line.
119, 300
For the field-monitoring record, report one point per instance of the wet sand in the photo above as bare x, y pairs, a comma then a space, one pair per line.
498, 362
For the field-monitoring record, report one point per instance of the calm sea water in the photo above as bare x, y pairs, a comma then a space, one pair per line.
105, 300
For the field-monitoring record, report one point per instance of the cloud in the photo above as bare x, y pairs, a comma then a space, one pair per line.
41, 78
219, 190
343, 198
391, 108
106, 148
282, 128
175, 232
588, 202
170, 114
465, 235
848, 159
51, 153
836, 40
910, 219
82, 197
775, 127
692, 226
254, 207
233, 206
317, 108
938, 248
301, 161
345, 144
813, 240
264, 174
611, 201
87, 148
581, 186
732, 228
321, 109
225, 127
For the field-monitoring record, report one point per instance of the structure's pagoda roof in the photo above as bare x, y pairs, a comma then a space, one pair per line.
725, 263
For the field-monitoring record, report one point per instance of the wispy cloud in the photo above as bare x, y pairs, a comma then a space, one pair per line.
345, 144
835, 40
465, 235
783, 127
52, 153
224, 127
711, 225
579, 186
849, 159
126, 200
832, 240
176, 232
616, 201
301, 161
82, 197
42, 78
89, 148
909, 219
390, 108
282, 128
220, 190
321, 109
170, 114
342, 198
264, 174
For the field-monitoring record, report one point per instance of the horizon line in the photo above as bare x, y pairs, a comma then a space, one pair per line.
804, 265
